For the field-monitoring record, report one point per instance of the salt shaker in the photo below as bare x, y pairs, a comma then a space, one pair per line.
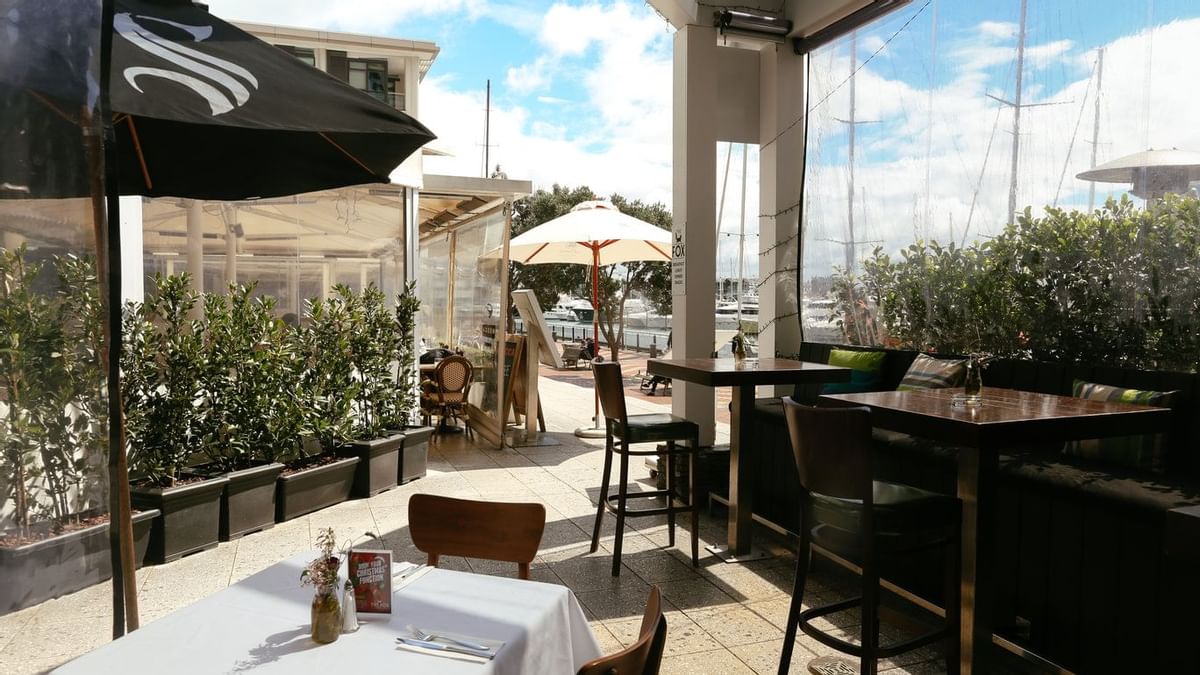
349, 610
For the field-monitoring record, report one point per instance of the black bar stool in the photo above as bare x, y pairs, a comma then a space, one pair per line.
623, 430
864, 521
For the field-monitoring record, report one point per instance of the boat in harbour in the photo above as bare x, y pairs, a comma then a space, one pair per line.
570, 308
640, 315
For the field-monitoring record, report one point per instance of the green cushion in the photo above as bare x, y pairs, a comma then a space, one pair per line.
1140, 452
865, 368
927, 372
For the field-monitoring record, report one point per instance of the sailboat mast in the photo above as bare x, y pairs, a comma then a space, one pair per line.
850, 245
1096, 127
487, 128
1016, 106
741, 239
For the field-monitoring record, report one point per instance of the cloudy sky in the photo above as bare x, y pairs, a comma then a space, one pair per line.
581, 95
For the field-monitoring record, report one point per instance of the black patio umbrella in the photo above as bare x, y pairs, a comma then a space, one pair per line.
189, 106
202, 109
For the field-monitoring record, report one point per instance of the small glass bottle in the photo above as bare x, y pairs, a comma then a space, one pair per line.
973, 386
739, 347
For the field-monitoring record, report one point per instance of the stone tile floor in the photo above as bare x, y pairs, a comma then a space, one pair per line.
722, 619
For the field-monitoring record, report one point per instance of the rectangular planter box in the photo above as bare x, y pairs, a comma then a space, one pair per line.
248, 502
189, 520
414, 453
313, 489
63, 564
378, 466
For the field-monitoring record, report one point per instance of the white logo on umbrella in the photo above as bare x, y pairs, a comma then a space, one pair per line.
127, 26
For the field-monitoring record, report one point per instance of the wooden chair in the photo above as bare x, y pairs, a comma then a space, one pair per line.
622, 431
844, 511
505, 531
446, 395
642, 657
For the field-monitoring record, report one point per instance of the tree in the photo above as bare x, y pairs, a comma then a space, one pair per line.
617, 282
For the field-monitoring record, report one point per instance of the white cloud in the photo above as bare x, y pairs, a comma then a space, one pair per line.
1002, 30
619, 138
529, 76
894, 202
359, 16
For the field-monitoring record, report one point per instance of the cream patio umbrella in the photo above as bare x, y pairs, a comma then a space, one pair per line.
1153, 173
592, 233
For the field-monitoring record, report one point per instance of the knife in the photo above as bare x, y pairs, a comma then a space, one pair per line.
442, 647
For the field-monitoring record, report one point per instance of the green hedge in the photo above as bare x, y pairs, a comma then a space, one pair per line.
1118, 286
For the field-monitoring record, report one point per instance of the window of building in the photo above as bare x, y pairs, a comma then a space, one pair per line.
370, 75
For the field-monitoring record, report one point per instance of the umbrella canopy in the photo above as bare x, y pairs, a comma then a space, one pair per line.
592, 226
1152, 172
202, 109
592, 233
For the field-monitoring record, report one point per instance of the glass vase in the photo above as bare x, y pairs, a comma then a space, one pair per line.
326, 616
973, 386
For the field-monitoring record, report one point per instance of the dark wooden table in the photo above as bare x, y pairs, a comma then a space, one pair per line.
743, 376
1005, 418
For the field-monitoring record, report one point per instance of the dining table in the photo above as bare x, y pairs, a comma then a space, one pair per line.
1001, 419
744, 376
262, 625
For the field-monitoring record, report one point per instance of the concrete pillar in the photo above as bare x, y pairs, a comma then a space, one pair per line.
412, 85
195, 249
694, 213
133, 271
781, 169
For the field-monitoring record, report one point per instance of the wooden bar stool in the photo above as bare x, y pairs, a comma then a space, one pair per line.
623, 430
866, 522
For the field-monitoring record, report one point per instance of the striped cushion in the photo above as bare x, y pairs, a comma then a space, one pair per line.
927, 372
1140, 452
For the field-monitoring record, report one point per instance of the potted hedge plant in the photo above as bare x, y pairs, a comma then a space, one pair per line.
371, 347
53, 433
162, 366
243, 342
327, 389
414, 453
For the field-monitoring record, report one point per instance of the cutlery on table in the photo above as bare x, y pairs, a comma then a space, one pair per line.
434, 637
443, 647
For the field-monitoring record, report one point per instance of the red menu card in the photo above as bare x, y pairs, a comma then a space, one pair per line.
371, 574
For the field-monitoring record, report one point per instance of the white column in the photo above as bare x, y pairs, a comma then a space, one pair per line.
412, 85
694, 212
781, 171
195, 249
133, 272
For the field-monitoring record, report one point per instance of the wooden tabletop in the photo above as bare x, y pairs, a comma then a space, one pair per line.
732, 373
1004, 416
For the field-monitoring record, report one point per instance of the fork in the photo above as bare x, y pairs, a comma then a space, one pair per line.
433, 637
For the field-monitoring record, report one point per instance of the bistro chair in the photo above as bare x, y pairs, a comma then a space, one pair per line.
866, 522
642, 657
505, 531
445, 393
623, 430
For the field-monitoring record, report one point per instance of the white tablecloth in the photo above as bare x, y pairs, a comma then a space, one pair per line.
261, 625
